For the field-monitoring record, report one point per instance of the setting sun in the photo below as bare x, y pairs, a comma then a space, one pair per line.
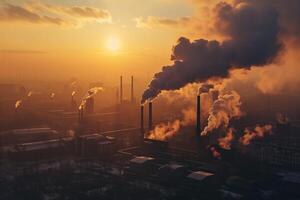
113, 44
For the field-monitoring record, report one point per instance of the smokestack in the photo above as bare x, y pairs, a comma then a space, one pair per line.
132, 94
198, 129
80, 118
89, 106
73, 105
150, 116
142, 122
121, 89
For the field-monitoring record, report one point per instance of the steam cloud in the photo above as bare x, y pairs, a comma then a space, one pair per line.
257, 132
225, 142
253, 31
226, 107
52, 95
165, 131
18, 104
90, 93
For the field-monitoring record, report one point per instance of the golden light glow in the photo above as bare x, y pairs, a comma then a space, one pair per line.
113, 44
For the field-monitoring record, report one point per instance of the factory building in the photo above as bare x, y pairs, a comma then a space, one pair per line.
41, 150
278, 152
95, 145
18, 136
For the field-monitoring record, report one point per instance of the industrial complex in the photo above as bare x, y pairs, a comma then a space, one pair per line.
81, 153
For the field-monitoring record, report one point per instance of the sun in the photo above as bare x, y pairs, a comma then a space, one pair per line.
113, 44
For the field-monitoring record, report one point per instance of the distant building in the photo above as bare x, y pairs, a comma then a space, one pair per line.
278, 151
18, 136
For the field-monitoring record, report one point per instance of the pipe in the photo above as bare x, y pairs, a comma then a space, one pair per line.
121, 89
142, 122
80, 118
132, 94
150, 116
198, 119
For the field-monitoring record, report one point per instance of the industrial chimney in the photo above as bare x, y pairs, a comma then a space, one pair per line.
121, 89
142, 122
198, 126
80, 118
73, 104
132, 93
89, 106
150, 116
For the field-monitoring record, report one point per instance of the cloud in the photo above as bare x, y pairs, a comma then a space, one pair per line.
39, 13
9, 13
153, 21
88, 12
79, 12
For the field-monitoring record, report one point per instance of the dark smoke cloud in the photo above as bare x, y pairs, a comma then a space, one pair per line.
205, 88
289, 16
253, 41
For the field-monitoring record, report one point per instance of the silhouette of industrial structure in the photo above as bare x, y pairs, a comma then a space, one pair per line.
106, 151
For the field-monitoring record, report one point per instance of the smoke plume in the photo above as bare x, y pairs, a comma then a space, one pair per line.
215, 153
205, 88
29, 94
18, 104
90, 93
252, 31
165, 131
226, 107
257, 132
52, 95
225, 142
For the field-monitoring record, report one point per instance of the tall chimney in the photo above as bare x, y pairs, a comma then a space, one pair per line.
142, 122
150, 116
80, 118
121, 89
198, 128
73, 105
89, 106
132, 94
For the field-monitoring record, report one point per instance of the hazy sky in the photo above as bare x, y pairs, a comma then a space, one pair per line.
89, 38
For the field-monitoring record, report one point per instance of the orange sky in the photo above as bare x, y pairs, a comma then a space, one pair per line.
55, 39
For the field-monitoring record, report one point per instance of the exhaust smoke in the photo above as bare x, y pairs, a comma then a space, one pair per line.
18, 104
252, 33
90, 93
257, 132
225, 108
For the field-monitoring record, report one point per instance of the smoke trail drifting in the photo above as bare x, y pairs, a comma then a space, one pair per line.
18, 104
52, 95
90, 93
253, 41
257, 132
225, 142
29, 94
165, 131
226, 107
